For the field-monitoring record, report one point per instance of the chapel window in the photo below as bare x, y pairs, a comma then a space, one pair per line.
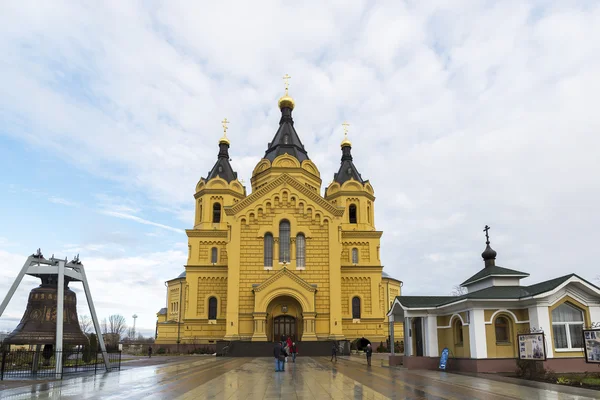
355, 256
567, 327
458, 332
284, 241
268, 250
300, 251
502, 330
352, 213
356, 307
213, 255
212, 308
217, 213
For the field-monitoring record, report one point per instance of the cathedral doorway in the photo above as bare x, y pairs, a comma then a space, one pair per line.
284, 326
284, 318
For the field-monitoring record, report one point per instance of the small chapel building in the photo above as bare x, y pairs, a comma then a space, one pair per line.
480, 328
284, 260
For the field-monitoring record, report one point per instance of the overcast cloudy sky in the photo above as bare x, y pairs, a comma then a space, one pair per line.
462, 115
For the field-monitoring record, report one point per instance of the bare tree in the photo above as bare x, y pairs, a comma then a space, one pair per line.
117, 325
86, 324
458, 290
104, 326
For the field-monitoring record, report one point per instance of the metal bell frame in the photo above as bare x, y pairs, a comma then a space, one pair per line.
37, 265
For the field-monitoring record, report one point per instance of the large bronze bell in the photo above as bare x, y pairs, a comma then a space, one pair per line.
38, 325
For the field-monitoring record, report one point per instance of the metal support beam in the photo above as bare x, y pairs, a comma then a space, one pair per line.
60, 312
15, 285
88, 296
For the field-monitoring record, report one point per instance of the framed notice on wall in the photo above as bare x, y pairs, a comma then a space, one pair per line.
591, 338
532, 346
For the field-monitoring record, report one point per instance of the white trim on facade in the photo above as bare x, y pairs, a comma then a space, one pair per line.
503, 310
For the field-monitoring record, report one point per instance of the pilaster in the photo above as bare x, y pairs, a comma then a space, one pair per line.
233, 284
539, 317
308, 329
477, 335
260, 327
335, 284
431, 332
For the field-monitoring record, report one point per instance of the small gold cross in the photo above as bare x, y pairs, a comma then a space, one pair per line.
345, 125
286, 80
224, 122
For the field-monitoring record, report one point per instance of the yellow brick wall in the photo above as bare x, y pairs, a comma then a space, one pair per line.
356, 286
212, 286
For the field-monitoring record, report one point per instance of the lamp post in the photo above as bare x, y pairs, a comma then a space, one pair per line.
134, 318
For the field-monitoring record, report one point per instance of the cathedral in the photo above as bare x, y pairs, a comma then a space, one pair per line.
284, 260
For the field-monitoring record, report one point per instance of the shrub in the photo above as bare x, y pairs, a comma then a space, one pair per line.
161, 350
530, 369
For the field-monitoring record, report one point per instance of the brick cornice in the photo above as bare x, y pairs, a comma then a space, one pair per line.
202, 192
361, 234
206, 233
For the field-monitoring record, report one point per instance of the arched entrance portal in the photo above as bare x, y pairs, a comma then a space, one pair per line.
284, 318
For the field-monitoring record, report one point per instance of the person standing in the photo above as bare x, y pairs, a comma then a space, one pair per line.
284, 355
277, 353
150, 352
294, 350
334, 351
369, 353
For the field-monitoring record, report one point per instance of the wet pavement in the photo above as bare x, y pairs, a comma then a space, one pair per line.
255, 378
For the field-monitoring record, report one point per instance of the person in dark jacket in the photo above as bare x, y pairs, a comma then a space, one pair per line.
277, 353
150, 352
334, 351
369, 353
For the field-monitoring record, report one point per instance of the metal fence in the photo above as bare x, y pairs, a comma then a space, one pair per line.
24, 364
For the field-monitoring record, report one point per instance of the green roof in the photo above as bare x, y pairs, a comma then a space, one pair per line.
490, 293
493, 271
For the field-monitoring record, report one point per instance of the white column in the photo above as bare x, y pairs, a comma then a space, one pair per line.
60, 309
431, 336
407, 336
391, 322
477, 337
539, 317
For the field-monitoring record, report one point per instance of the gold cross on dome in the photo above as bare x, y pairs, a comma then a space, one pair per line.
345, 125
286, 80
224, 122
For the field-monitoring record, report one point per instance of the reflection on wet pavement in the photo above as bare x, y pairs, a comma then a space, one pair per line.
308, 378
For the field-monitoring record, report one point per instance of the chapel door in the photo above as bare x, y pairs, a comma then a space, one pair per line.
418, 336
284, 326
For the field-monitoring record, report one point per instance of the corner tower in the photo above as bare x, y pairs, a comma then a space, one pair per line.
220, 188
286, 153
349, 190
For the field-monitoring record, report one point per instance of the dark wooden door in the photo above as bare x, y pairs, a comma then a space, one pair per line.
418, 336
284, 326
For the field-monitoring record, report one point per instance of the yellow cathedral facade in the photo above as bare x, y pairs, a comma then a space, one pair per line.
283, 260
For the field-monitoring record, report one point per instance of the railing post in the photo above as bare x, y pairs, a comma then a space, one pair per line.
120, 360
96, 362
3, 364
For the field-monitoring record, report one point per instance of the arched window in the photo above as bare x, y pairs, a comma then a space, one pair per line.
217, 213
352, 213
502, 330
369, 214
200, 212
355, 256
458, 332
284, 241
300, 251
356, 307
213, 255
212, 308
567, 327
268, 250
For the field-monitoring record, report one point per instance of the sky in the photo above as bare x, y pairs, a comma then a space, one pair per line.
461, 115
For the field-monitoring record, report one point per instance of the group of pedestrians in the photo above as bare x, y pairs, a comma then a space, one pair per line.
282, 351
334, 351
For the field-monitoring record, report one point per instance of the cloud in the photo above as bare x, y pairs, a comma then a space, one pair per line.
461, 114
64, 202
